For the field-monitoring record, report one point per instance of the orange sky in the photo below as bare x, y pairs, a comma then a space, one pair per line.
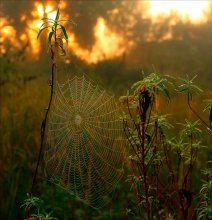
192, 11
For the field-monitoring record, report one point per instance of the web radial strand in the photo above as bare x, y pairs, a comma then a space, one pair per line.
84, 144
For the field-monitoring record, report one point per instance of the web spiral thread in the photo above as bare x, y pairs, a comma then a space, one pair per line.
84, 141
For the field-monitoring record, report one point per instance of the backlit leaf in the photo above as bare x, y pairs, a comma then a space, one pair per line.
58, 14
50, 36
64, 32
41, 30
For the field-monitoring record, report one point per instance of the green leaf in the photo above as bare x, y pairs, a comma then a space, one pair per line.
166, 92
50, 36
58, 14
64, 32
182, 90
136, 84
68, 20
47, 19
197, 88
193, 78
45, 23
41, 30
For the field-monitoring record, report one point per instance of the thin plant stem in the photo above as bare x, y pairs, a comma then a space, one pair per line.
144, 173
192, 215
197, 115
150, 113
42, 131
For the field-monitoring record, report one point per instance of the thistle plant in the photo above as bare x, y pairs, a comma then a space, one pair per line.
55, 41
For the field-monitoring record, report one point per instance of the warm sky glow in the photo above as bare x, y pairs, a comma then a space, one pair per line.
188, 10
7, 33
108, 43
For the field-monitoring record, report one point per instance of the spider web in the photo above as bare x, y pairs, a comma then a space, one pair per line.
84, 145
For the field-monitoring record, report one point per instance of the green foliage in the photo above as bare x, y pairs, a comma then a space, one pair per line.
189, 87
154, 155
46, 216
178, 143
32, 201
54, 24
162, 122
153, 83
35, 203
191, 129
41, 30
204, 211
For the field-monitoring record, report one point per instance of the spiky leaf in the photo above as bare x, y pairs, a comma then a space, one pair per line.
58, 14
41, 30
50, 36
64, 32
46, 22
68, 20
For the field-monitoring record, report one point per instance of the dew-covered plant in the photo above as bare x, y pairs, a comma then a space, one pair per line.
45, 216
34, 203
188, 87
144, 127
162, 167
204, 211
204, 205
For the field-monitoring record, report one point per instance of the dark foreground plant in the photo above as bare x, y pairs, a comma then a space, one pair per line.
144, 134
55, 40
34, 203
162, 168
204, 206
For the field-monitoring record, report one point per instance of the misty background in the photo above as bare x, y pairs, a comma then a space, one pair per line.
113, 43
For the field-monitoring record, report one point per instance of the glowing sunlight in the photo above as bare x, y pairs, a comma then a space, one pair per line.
108, 44
188, 10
